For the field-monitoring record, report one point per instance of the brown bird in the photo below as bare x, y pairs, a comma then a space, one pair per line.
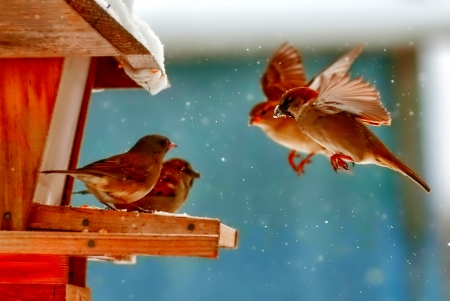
284, 72
335, 115
171, 190
124, 178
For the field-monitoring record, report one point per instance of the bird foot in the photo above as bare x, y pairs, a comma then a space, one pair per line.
108, 206
299, 168
337, 161
140, 209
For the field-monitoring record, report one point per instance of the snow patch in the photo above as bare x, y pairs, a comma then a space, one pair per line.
122, 11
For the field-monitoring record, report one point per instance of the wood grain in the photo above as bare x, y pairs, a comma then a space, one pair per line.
94, 220
43, 292
34, 268
50, 28
27, 98
98, 244
131, 49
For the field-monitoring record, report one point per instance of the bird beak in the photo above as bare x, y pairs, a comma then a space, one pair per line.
172, 145
195, 174
278, 113
254, 119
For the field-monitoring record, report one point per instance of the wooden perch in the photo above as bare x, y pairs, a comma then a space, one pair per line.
122, 233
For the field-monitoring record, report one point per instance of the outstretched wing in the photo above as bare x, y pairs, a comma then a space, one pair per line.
284, 72
339, 68
354, 96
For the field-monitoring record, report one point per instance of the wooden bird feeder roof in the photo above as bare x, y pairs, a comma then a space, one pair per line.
52, 54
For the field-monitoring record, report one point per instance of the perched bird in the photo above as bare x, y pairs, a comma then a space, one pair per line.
284, 72
334, 115
171, 190
124, 178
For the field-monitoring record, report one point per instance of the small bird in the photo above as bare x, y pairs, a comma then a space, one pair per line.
284, 72
124, 178
171, 190
335, 115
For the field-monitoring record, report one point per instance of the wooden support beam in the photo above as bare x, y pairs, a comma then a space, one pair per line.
43, 292
27, 98
77, 271
62, 130
79, 131
98, 244
110, 76
34, 268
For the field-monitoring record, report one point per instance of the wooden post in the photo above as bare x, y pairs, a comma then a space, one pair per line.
27, 98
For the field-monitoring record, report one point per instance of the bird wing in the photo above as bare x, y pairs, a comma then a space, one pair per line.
340, 67
354, 96
284, 72
119, 166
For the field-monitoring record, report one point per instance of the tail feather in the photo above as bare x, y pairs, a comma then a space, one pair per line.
68, 172
393, 163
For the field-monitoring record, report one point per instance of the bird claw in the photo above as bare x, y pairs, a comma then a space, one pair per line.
337, 161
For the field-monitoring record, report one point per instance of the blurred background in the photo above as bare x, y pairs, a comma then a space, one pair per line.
370, 235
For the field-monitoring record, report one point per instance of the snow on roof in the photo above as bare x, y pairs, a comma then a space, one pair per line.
152, 80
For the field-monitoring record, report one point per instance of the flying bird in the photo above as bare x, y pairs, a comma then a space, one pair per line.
284, 72
171, 190
335, 114
124, 178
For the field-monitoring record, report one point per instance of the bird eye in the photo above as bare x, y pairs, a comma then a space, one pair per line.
263, 112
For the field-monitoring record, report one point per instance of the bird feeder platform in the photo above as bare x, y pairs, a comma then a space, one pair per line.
52, 54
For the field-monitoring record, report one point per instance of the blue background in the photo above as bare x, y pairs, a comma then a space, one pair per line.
322, 236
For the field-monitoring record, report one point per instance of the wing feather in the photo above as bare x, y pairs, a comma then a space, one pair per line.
284, 72
354, 96
339, 68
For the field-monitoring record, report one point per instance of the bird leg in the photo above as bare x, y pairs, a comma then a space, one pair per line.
292, 155
139, 208
337, 161
300, 167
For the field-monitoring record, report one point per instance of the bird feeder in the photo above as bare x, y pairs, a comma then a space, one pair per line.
52, 54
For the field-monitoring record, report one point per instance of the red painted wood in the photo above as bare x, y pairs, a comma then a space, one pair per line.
27, 97
34, 268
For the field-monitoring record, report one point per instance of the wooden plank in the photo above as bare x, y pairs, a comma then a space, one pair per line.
77, 271
138, 56
43, 292
27, 97
109, 76
76, 293
50, 28
76, 147
228, 237
98, 244
94, 220
34, 268
64, 124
